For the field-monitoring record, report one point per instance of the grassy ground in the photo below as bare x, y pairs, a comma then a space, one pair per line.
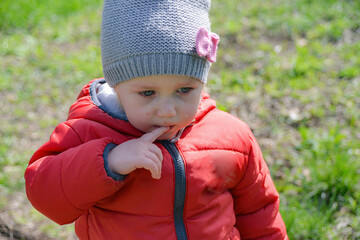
289, 68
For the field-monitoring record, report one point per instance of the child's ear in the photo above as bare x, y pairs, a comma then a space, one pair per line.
118, 99
117, 96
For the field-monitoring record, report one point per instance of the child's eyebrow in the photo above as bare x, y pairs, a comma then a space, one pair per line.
143, 86
153, 85
190, 82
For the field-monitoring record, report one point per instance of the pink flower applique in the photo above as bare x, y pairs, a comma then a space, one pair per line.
206, 44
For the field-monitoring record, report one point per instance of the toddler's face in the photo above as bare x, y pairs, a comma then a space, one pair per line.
160, 101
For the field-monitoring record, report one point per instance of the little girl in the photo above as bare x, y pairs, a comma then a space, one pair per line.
144, 152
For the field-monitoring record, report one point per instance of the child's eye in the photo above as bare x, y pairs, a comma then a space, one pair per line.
147, 93
184, 90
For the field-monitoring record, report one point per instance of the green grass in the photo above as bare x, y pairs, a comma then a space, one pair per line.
326, 186
290, 69
27, 15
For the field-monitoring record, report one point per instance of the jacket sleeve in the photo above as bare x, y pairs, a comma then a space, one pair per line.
65, 177
256, 201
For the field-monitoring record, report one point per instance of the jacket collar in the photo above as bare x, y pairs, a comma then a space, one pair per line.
105, 98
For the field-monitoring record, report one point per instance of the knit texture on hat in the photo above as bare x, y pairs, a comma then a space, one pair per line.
152, 37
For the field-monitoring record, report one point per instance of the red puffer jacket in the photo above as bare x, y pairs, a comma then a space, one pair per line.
214, 183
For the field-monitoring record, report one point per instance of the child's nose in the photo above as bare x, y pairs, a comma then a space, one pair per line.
166, 108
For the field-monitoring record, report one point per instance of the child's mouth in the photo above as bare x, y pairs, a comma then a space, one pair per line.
170, 127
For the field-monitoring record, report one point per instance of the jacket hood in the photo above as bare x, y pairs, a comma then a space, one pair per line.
88, 106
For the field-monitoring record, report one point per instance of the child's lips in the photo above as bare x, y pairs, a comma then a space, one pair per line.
170, 127
168, 133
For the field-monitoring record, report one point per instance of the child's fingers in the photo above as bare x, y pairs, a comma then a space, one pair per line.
150, 165
153, 157
154, 134
155, 149
154, 154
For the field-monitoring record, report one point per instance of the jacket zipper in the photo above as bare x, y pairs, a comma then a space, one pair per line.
180, 189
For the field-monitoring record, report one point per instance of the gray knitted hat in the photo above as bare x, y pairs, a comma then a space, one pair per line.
155, 37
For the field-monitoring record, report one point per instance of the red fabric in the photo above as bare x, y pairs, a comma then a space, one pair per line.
229, 191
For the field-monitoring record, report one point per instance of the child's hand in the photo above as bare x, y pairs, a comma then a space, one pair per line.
138, 153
